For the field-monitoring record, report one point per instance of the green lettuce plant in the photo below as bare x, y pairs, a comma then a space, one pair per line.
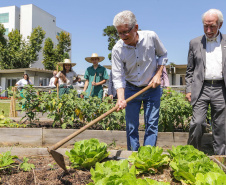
118, 172
112, 170
148, 159
210, 178
87, 153
6, 160
187, 162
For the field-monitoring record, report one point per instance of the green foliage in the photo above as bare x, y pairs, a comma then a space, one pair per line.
49, 55
187, 162
175, 111
30, 101
25, 166
2, 33
111, 170
113, 37
118, 172
87, 153
7, 122
210, 178
6, 160
52, 55
70, 109
148, 159
35, 43
18, 53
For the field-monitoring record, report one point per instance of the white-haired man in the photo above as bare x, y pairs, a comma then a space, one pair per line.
205, 81
137, 61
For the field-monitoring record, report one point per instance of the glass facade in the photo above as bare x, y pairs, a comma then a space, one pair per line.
4, 17
6, 31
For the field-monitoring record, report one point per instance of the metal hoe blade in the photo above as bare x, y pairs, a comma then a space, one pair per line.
59, 158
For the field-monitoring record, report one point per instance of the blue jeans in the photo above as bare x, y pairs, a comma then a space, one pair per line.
151, 103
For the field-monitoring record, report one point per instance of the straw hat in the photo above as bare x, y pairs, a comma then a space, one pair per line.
66, 61
94, 55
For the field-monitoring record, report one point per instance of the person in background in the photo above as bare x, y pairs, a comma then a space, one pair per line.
206, 80
24, 81
164, 80
52, 80
80, 84
112, 93
95, 75
65, 77
138, 59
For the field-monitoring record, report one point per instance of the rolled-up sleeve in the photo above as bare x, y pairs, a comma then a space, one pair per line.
118, 73
161, 52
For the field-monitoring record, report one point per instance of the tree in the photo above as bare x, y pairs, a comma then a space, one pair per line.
18, 53
35, 42
52, 55
2, 32
49, 54
113, 37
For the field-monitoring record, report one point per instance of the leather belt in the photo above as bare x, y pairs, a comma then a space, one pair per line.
212, 82
130, 84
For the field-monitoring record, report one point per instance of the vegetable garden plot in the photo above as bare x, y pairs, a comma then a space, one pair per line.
90, 165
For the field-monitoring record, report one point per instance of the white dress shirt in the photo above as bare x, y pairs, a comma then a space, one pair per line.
213, 70
137, 64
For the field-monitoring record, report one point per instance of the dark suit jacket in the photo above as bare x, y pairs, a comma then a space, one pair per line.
196, 65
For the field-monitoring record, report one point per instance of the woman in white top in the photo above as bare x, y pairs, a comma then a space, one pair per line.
65, 77
24, 81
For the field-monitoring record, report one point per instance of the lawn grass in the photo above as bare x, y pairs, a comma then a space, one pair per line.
5, 106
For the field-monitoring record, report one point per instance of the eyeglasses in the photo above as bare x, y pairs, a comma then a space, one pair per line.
210, 26
125, 32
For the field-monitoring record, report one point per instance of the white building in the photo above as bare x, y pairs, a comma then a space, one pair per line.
25, 19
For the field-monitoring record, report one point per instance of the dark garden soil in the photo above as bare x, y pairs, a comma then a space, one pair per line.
47, 172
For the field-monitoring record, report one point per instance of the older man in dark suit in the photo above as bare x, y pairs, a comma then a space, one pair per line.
205, 81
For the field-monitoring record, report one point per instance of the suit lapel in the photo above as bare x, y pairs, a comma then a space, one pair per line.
203, 49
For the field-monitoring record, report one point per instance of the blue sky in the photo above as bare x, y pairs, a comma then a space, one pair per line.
175, 21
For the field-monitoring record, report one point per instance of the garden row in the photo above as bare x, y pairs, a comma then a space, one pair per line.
186, 164
175, 111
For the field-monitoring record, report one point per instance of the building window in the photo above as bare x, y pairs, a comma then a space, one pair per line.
6, 31
4, 17
42, 82
58, 33
182, 80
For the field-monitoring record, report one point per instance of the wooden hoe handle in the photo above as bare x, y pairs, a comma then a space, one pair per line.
68, 138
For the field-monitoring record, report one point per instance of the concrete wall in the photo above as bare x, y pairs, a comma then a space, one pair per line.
14, 22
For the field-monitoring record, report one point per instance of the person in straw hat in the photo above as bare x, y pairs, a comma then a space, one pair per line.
95, 75
65, 77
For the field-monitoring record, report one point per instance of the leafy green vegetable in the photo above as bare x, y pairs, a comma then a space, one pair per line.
116, 173
6, 160
25, 166
87, 153
210, 178
113, 172
148, 159
188, 162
